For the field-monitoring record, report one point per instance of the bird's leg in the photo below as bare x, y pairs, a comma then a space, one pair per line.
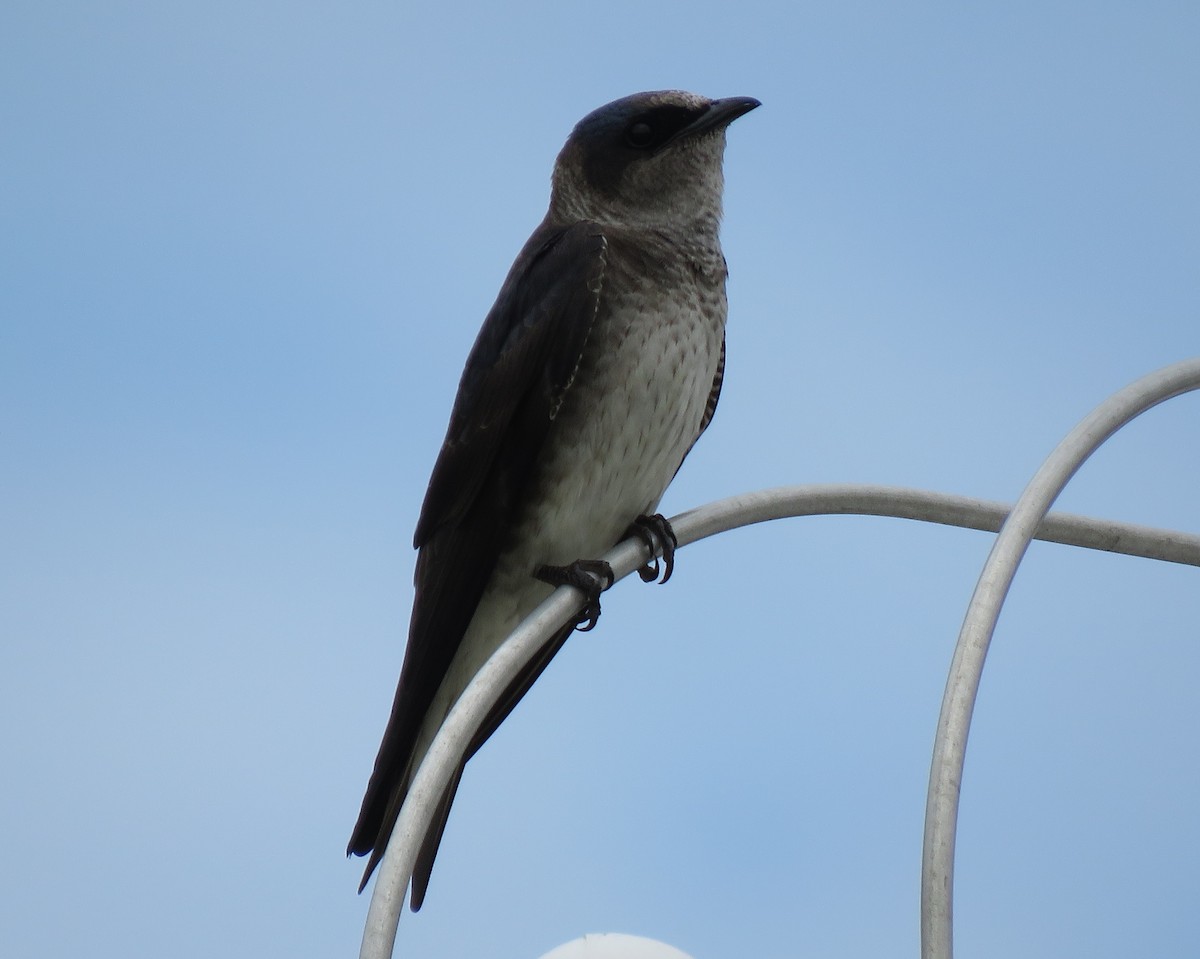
589, 576
656, 532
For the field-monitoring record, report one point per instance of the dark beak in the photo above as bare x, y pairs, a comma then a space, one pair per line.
720, 113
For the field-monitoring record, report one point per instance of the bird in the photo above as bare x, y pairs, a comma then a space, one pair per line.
594, 374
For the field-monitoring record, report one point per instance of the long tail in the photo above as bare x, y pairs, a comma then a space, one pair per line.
375, 824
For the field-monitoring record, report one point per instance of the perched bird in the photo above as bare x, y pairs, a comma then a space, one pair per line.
595, 372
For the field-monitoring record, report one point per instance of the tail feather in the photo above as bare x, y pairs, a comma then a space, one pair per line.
362, 842
433, 839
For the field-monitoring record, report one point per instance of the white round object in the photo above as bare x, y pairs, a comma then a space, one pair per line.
615, 945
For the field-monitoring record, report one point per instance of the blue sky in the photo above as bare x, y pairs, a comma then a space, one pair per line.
246, 247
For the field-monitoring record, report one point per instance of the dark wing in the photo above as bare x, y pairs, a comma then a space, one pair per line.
521, 366
710, 407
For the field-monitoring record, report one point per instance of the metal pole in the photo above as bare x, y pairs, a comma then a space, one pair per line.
950, 744
395, 869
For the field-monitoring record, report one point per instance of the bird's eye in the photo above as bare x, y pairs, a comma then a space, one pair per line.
639, 134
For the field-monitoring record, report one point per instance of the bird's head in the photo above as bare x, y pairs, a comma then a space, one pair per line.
650, 160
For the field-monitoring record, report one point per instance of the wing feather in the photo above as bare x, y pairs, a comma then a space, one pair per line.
521, 366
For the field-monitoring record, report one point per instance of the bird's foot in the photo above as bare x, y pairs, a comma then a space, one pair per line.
589, 576
656, 532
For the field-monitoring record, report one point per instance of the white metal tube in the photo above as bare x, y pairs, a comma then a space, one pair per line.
950, 744
395, 870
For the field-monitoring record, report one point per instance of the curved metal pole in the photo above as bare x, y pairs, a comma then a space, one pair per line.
949, 751
395, 870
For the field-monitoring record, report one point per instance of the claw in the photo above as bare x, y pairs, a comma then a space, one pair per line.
589, 576
649, 572
656, 532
